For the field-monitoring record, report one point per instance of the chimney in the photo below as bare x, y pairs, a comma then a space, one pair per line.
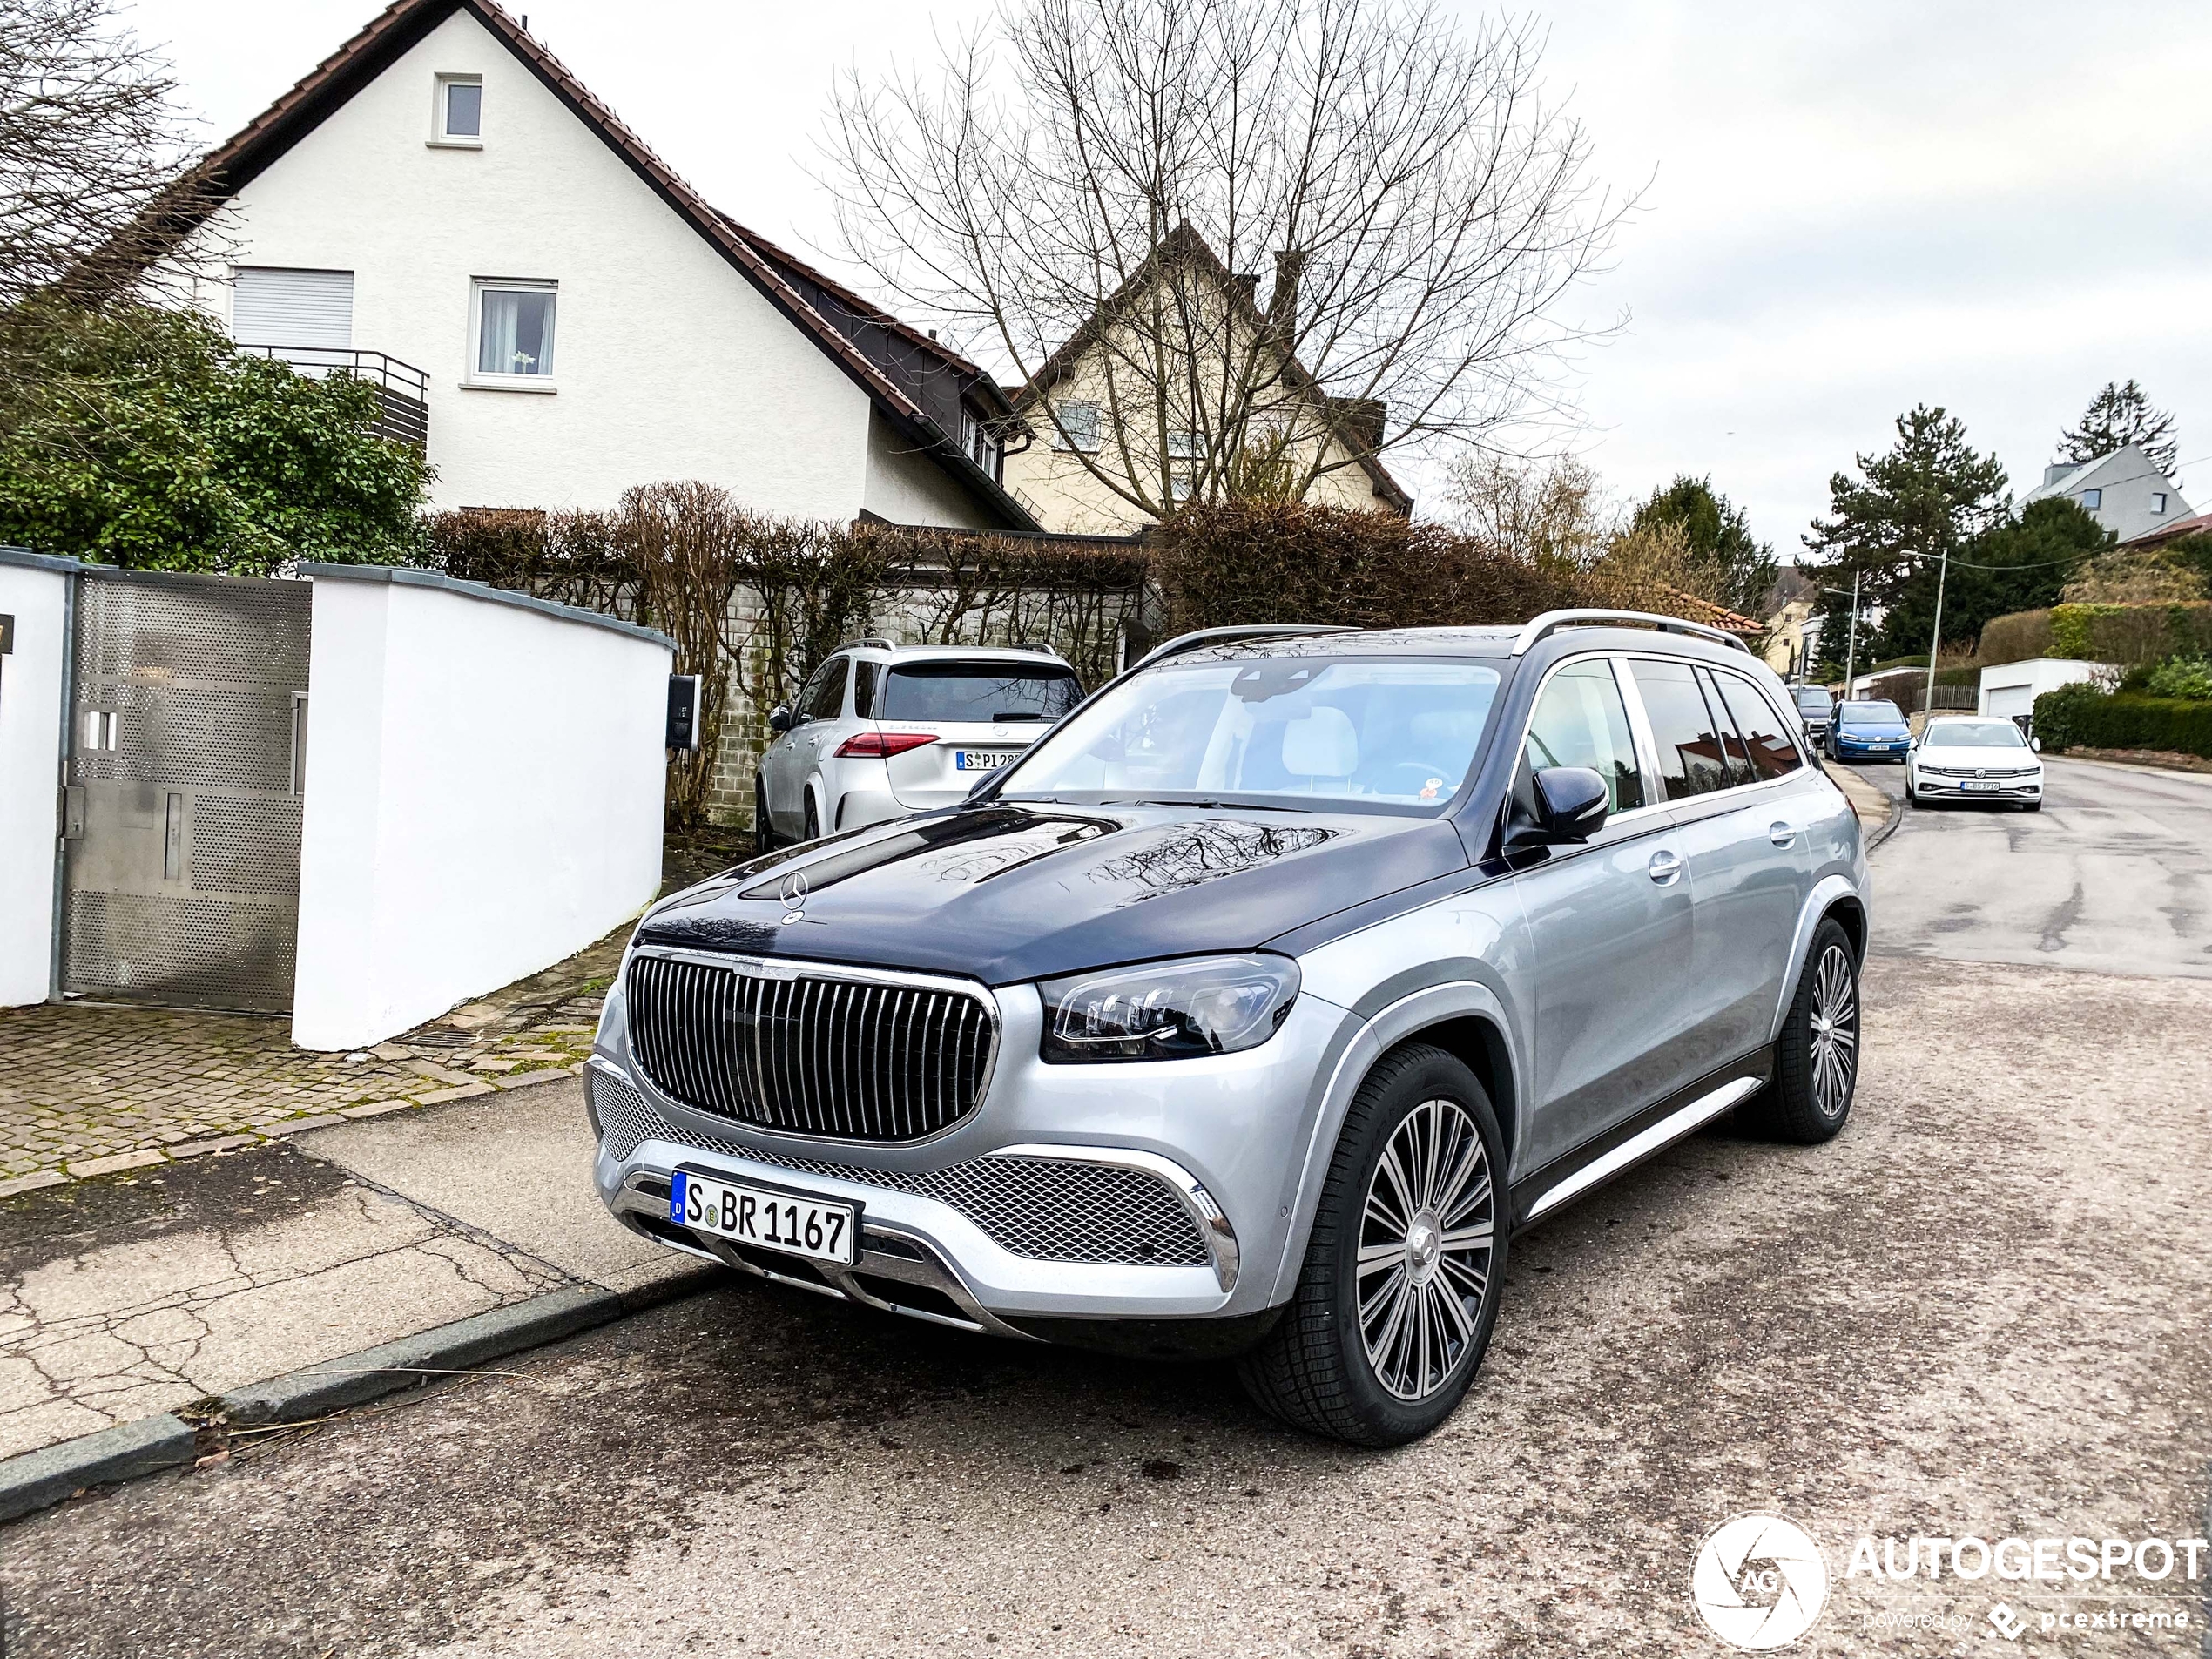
2058, 469
1282, 304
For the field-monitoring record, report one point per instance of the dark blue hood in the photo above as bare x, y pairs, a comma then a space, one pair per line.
1008, 893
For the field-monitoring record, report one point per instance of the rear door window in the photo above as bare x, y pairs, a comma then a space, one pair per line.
829, 694
979, 693
1739, 760
1691, 758
1580, 720
1773, 752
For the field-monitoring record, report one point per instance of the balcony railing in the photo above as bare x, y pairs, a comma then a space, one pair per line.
402, 390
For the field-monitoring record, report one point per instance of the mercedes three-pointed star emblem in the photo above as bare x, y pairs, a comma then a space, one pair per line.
793, 894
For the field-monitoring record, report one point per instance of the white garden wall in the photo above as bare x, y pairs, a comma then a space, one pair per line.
35, 591
484, 780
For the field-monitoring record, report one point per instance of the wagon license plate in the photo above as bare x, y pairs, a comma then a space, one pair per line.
1982, 783
983, 760
819, 1228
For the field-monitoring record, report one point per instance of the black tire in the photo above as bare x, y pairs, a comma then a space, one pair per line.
1314, 1369
764, 832
1809, 1100
813, 821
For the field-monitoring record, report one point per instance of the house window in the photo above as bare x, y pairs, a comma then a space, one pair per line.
2093, 499
983, 448
514, 332
460, 117
1183, 465
2158, 501
1078, 425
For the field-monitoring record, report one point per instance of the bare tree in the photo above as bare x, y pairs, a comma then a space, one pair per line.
1097, 187
91, 141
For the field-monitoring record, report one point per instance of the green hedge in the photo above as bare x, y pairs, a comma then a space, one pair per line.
2081, 717
2101, 633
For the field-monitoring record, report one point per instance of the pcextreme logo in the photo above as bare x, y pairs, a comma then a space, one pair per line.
1758, 1582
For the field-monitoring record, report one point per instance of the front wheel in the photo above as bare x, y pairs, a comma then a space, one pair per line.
813, 819
1815, 1071
1402, 1275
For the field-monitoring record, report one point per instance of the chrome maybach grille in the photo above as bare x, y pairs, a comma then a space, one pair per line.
809, 1053
1050, 1210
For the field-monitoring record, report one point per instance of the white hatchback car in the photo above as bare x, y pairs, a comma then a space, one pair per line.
879, 730
1974, 758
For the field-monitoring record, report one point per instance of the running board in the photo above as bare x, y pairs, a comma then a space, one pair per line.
1656, 1138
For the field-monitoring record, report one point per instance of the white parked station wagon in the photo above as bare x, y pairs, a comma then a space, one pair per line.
1969, 758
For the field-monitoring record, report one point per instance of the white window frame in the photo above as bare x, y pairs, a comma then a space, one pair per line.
1071, 440
441, 139
475, 377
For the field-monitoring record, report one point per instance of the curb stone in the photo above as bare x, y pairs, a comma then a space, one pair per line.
40, 1479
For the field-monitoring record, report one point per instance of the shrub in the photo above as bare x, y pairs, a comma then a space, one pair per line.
2101, 633
2081, 717
2189, 678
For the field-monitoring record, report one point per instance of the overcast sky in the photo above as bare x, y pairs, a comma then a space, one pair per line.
1847, 209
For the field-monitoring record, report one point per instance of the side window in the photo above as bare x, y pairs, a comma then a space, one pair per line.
866, 677
1691, 761
1580, 721
1772, 749
828, 701
1739, 759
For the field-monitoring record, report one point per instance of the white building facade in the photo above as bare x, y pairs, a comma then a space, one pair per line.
443, 207
2126, 491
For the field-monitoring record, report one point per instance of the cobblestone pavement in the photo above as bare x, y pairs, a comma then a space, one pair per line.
90, 1090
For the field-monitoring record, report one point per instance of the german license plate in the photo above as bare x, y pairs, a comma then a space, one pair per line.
983, 760
1983, 783
819, 1228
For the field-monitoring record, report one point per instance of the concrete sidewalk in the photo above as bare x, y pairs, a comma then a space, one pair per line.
147, 1289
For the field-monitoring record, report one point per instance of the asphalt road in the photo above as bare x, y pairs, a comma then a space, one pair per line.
2113, 874
1985, 1309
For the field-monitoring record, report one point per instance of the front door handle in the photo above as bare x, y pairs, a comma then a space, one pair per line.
1665, 868
1781, 834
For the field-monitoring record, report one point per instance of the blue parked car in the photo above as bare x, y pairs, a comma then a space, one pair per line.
1869, 732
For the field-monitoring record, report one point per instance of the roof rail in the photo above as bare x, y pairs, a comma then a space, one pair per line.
1183, 643
1553, 620
876, 640
1035, 644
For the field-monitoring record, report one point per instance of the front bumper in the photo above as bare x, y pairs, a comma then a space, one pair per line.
2007, 789
1194, 1161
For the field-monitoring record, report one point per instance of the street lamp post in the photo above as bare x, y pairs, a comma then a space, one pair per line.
1851, 639
1935, 642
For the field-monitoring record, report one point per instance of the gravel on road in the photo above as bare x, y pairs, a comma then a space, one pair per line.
1986, 1309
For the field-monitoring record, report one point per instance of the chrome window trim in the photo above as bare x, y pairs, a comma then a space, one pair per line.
793, 968
1639, 734
1716, 800
1213, 1224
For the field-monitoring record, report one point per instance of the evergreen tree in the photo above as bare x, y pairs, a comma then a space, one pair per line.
2118, 416
1928, 495
2021, 565
1717, 534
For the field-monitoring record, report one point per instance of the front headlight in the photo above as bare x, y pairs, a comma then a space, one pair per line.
1174, 1010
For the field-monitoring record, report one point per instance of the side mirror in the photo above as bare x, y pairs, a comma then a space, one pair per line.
779, 721
2036, 743
1571, 803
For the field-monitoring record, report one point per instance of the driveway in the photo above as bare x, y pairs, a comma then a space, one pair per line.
1986, 1310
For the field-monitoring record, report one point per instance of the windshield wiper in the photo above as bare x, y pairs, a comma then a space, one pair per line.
1221, 806
1004, 718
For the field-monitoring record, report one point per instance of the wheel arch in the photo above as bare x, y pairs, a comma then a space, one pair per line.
1833, 895
1466, 1018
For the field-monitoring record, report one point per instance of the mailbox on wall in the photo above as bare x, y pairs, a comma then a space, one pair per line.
684, 711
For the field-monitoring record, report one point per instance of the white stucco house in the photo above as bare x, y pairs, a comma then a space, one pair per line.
442, 207
2126, 491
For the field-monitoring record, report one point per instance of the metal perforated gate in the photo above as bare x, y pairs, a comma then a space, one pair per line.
188, 740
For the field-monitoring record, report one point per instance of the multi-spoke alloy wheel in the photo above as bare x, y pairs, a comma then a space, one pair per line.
1835, 1030
1816, 1060
1425, 1240
1399, 1286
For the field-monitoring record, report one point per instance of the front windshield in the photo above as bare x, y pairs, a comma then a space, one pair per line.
1872, 713
1980, 734
1392, 734
1812, 700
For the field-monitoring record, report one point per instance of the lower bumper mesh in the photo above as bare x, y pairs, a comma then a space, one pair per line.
1048, 1210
